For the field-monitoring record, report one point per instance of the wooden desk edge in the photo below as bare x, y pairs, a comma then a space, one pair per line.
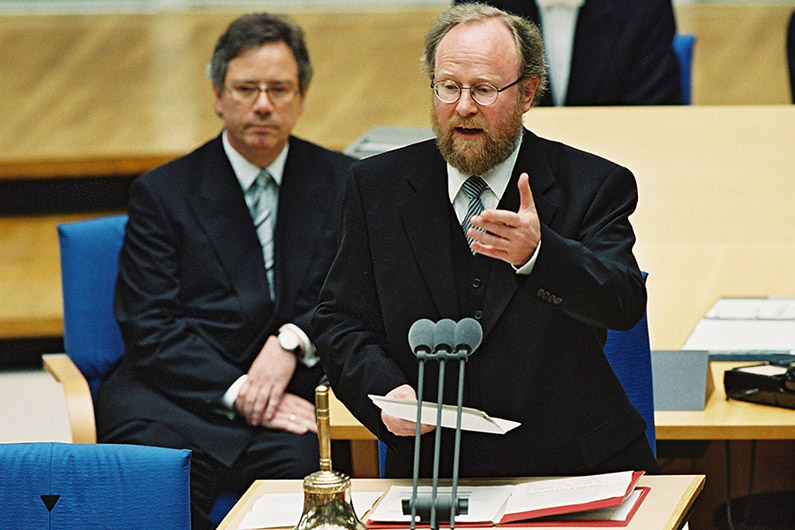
687, 500
235, 517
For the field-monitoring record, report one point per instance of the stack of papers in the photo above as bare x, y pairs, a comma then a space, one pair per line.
746, 328
608, 497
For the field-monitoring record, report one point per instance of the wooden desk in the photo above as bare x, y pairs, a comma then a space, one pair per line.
663, 509
724, 419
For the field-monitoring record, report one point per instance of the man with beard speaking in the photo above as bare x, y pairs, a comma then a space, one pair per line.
528, 236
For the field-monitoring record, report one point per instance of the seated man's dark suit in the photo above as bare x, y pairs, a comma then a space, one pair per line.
622, 52
403, 257
192, 298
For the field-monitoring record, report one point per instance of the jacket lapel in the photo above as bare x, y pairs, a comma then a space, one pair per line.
425, 216
299, 225
502, 285
221, 211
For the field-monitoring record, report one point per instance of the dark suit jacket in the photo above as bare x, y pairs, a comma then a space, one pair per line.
192, 298
402, 257
622, 53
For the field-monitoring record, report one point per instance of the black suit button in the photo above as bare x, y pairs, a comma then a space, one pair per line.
478, 314
476, 283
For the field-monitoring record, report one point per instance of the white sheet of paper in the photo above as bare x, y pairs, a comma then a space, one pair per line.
548, 493
746, 324
471, 419
619, 513
485, 503
274, 510
742, 335
771, 308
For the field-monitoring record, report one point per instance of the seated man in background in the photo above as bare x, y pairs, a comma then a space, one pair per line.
223, 258
528, 236
605, 52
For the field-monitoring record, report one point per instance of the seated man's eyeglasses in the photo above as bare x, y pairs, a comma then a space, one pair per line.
247, 93
483, 93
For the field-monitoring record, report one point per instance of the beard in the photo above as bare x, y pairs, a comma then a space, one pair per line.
476, 157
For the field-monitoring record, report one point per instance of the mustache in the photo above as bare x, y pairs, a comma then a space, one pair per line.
467, 123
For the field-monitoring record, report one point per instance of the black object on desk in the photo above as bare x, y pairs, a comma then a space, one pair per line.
766, 383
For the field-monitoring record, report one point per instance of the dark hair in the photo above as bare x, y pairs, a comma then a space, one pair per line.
251, 31
526, 35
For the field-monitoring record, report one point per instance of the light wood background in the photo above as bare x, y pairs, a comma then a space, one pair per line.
106, 94
118, 93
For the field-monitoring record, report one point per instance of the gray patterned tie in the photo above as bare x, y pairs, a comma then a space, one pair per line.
262, 199
473, 187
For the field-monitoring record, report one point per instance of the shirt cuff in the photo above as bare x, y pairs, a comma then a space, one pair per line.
527, 268
310, 357
226, 405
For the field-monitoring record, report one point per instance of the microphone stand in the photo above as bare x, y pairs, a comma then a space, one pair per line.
443, 351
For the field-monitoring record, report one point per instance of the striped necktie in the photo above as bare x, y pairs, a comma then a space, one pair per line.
262, 199
473, 186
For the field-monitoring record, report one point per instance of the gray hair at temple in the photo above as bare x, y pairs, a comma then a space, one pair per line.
251, 31
529, 43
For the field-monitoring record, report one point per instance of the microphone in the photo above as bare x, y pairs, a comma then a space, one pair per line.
444, 336
421, 336
468, 335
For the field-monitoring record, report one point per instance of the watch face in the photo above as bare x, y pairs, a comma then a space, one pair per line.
288, 341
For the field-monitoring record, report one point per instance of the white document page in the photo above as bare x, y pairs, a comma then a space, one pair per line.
746, 324
485, 503
619, 513
274, 510
775, 336
551, 493
471, 419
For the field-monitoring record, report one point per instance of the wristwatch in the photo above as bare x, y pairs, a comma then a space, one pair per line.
289, 341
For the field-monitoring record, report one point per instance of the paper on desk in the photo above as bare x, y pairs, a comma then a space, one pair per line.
760, 325
539, 496
471, 419
275, 510
486, 503
771, 308
617, 513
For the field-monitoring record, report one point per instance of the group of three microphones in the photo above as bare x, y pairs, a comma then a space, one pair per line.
445, 336
440, 341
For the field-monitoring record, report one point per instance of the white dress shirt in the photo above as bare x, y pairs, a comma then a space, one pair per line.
558, 24
497, 180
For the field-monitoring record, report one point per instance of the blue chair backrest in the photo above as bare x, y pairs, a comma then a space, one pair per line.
54, 486
683, 47
89, 265
629, 354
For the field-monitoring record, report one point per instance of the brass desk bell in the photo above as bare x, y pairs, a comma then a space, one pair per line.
327, 493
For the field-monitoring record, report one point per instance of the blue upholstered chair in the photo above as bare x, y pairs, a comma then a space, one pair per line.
89, 265
683, 47
56, 486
